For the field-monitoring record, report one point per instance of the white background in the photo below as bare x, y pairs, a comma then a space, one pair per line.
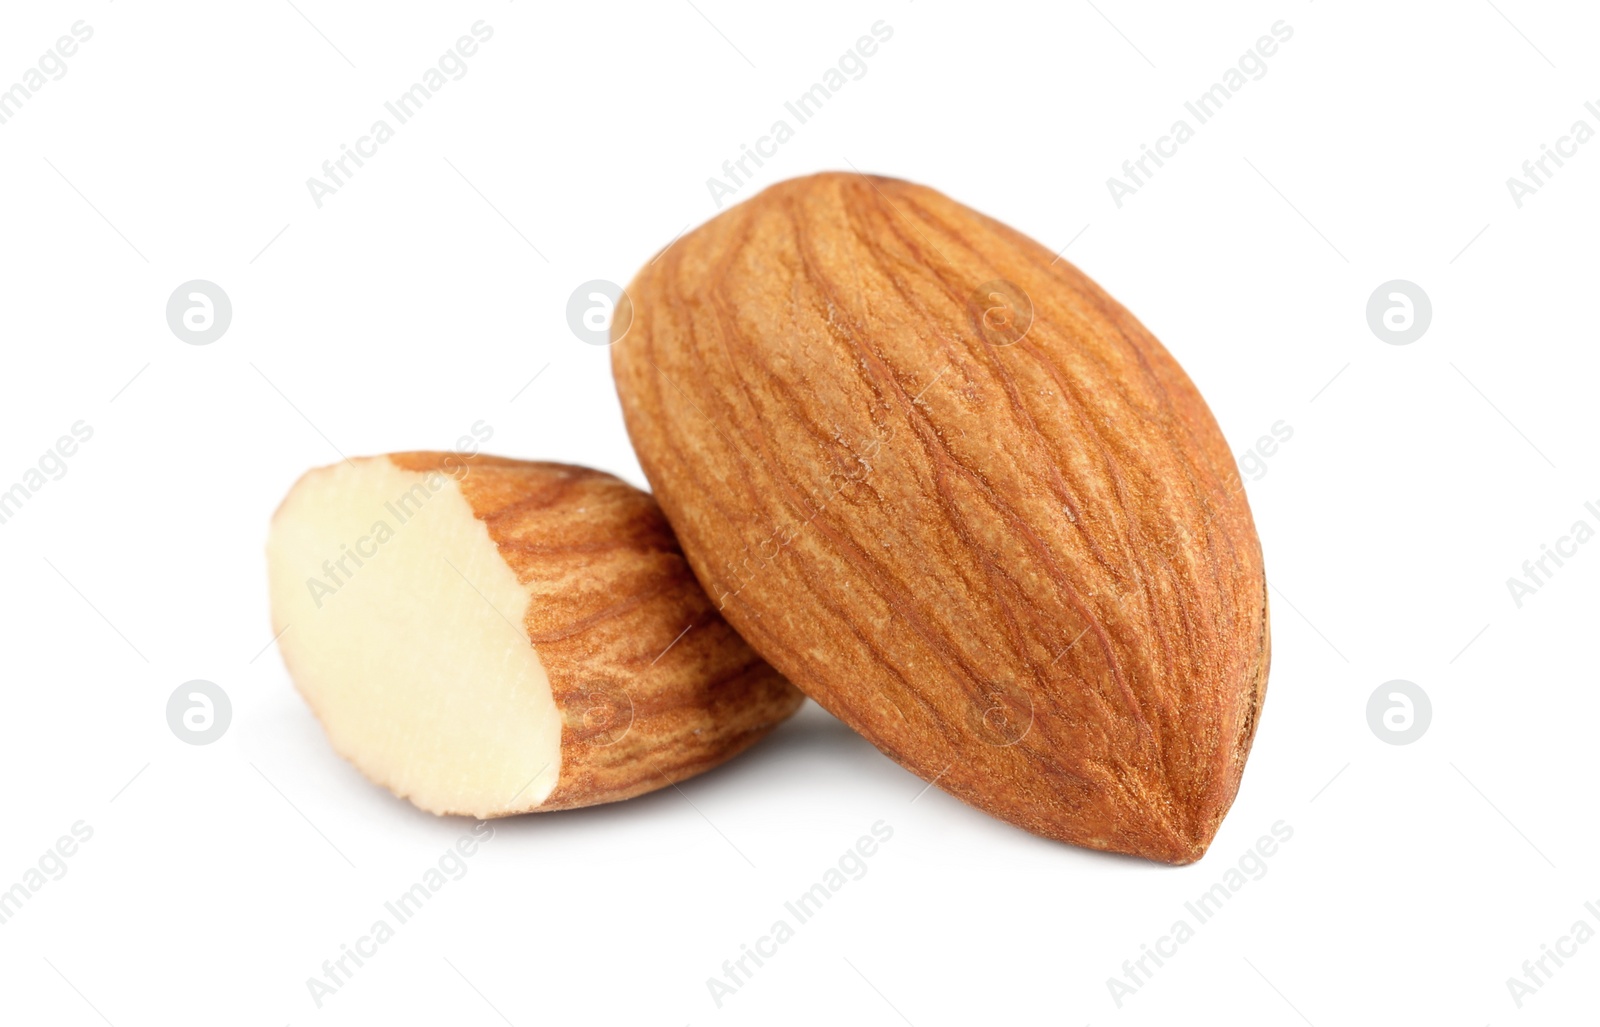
432, 288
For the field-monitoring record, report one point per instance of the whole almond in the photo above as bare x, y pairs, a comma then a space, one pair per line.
948, 486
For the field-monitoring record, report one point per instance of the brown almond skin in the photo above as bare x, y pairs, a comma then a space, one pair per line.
1023, 568
609, 586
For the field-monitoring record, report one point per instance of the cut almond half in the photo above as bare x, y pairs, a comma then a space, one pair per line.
489, 637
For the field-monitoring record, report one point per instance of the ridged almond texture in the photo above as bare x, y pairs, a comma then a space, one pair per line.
1010, 548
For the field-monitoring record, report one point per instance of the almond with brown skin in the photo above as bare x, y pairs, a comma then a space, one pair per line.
488, 637
960, 496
